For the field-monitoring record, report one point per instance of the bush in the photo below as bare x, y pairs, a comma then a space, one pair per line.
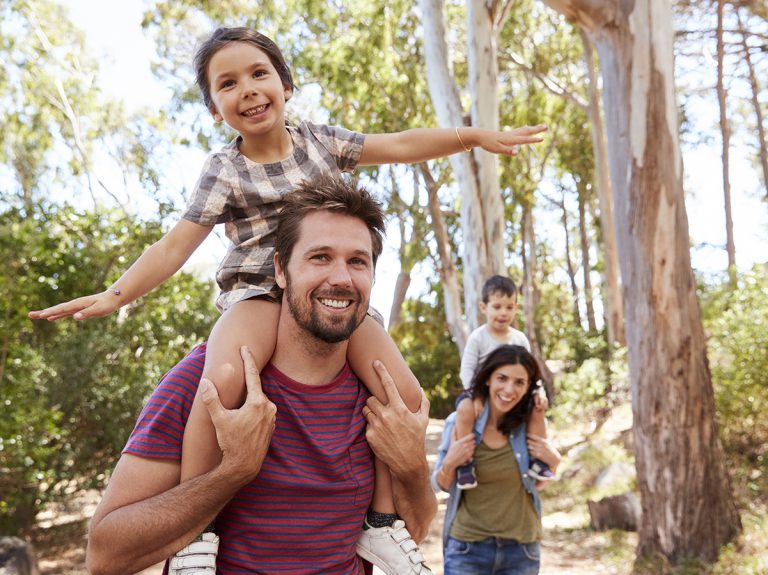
71, 390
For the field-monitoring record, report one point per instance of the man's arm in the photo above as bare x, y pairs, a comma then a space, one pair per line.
397, 436
146, 516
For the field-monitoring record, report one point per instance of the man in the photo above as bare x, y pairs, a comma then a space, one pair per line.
282, 502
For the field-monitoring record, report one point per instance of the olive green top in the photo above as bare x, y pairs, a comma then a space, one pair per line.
499, 506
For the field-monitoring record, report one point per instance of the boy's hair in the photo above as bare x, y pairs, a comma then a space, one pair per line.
501, 356
330, 194
222, 37
498, 284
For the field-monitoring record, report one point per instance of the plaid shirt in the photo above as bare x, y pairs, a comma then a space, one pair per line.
247, 197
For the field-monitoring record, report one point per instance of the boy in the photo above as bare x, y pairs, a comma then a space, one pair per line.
500, 308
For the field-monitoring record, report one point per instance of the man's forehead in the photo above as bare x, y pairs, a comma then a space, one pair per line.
331, 230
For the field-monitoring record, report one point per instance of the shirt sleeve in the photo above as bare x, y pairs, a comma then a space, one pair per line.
213, 196
159, 430
344, 145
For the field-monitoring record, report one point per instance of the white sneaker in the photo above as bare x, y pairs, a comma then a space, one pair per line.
392, 549
197, 558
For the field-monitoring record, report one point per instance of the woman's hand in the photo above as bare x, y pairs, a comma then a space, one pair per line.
459, 452
541, 448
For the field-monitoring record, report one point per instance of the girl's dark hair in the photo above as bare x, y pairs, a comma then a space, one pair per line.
501, 356
222, 37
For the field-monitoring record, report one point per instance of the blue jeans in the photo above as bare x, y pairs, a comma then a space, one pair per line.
492, 556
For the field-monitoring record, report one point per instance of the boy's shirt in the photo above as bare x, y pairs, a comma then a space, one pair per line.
480, 344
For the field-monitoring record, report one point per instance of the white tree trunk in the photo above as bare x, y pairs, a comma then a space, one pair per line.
484, 91
678, 453
614, 314
445, 98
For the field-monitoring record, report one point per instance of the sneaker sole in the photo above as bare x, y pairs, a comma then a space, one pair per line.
375, 560
467, 486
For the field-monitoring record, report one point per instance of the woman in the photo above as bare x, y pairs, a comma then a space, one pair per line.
495, 528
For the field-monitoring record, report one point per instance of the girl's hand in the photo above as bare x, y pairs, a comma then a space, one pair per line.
96, 305
508, 142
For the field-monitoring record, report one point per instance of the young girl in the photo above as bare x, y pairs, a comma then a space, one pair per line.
245, 83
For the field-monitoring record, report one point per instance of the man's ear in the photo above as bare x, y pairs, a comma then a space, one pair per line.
279, 273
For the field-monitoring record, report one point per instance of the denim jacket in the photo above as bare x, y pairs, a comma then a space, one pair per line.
519, 446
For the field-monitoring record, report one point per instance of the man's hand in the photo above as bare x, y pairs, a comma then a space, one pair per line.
244, 433
395, 434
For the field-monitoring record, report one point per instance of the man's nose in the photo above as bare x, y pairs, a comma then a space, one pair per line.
339, 274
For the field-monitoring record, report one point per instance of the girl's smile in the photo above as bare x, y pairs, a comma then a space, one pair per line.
249, 96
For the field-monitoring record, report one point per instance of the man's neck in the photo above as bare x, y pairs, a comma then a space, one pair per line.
303, 357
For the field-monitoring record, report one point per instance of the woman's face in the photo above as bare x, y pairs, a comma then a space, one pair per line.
508, 385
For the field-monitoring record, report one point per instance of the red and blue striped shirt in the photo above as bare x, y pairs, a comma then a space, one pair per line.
303, 512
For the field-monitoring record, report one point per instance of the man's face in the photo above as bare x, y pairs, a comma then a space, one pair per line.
329, 277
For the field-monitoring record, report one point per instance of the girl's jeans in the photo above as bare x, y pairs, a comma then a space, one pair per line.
492, 556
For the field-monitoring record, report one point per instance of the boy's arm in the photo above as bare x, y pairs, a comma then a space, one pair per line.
421, 144
156, 264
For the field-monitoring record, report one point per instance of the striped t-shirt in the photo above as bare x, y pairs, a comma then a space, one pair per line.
303, 512
247, 198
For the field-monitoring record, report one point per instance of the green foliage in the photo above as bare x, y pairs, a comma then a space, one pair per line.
71, 391
737, 324
431, 353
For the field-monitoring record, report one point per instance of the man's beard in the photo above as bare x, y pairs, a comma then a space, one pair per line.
332, 330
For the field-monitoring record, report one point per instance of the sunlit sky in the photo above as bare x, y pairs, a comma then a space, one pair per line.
114, 34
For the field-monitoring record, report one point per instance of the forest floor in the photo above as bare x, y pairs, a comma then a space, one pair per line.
569, 547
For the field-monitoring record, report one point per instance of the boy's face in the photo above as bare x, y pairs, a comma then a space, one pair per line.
500, 311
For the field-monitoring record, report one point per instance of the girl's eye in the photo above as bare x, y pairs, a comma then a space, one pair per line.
227, 84
259, 73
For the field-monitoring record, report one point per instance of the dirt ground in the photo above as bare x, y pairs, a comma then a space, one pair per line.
567, 549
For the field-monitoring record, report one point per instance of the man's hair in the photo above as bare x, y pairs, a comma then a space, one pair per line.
326, 193
498, 284
499, 357
222, 37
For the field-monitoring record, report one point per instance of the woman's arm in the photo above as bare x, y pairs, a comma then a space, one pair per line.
420, 144
159, 262
459, 452
541, 448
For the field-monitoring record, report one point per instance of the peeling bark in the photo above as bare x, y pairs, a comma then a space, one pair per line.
680, 471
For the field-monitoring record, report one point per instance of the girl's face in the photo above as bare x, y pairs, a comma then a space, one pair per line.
247, 91
508, 384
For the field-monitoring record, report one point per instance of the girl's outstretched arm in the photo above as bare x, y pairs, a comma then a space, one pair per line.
420, 144
157, 264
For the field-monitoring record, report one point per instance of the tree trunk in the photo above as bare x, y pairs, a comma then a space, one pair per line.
755, 86
725, 130
445, 98
586, 266
614, 314
483, 86
449, 276
532, 296
569, 265
679, 458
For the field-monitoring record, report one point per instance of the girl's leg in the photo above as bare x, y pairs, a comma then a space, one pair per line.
252, 323
369, 342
